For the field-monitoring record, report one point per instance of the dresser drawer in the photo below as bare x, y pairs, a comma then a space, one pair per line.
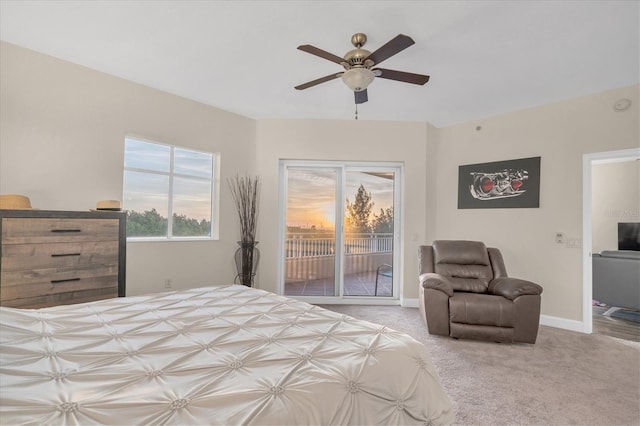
19, 257
57, 275
53, 230
41, 295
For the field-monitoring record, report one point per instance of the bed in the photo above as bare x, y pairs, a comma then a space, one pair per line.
213, 355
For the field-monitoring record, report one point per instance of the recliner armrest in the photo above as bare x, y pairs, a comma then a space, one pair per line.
436, 281
512, 288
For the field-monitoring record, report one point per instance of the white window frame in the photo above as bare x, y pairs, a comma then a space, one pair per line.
215, 191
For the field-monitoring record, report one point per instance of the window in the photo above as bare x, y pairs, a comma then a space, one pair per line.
168, 191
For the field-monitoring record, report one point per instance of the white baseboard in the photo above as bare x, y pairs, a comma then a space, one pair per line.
565, 324
409, 303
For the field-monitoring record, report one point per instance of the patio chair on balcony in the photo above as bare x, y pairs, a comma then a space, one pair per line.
385, 270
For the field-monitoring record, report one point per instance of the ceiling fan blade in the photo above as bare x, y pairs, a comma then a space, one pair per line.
318, 81
405, 77
393, 46
321, 53
361, 97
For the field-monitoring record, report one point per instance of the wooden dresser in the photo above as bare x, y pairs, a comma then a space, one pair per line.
52, 257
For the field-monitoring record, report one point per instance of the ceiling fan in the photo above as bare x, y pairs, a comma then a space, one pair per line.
358, 64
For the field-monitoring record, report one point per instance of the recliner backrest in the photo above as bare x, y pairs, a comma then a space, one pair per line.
465, 263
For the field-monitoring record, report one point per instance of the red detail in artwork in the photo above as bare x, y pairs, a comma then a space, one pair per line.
516, 184
486, 185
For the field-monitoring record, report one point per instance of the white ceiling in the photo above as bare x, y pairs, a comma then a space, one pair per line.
484, 57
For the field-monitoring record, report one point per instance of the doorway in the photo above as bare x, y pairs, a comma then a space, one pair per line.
339, 227
589, 160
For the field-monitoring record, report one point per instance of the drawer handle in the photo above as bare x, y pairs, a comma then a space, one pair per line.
64, 281
64, 254
66, 230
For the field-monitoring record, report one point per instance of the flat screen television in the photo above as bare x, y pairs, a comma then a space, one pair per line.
629, 236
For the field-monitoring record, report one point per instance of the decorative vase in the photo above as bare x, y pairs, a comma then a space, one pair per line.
247, 258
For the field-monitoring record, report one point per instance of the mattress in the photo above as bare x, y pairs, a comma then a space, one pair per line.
213, 355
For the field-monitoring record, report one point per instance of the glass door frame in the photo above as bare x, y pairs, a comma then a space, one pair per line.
342, 167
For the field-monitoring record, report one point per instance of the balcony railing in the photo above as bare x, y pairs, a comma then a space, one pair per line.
312, 256
305, 245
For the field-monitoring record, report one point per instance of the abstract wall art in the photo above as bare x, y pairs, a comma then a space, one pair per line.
500, 184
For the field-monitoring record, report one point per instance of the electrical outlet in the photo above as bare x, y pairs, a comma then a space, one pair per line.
559, 238
168, 283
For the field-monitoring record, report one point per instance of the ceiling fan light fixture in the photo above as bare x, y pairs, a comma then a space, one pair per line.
357, 79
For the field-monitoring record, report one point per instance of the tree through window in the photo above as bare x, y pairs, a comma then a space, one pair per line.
360, 219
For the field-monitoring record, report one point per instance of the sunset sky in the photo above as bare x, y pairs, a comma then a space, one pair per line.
311, 192
311, 195
146, 191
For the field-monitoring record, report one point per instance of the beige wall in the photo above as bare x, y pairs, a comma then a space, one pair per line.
61, 143
615, 198
560, 134
62, 140
347, 140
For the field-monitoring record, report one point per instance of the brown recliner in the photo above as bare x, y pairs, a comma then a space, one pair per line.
465, 293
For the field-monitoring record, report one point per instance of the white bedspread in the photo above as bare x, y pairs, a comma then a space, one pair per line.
215, 355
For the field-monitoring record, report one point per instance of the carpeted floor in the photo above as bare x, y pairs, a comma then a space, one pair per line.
566, 378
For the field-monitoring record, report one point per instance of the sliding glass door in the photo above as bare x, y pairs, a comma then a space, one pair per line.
310, 238
339, 224
368, 233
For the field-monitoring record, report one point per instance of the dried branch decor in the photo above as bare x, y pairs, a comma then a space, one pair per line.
246, 192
